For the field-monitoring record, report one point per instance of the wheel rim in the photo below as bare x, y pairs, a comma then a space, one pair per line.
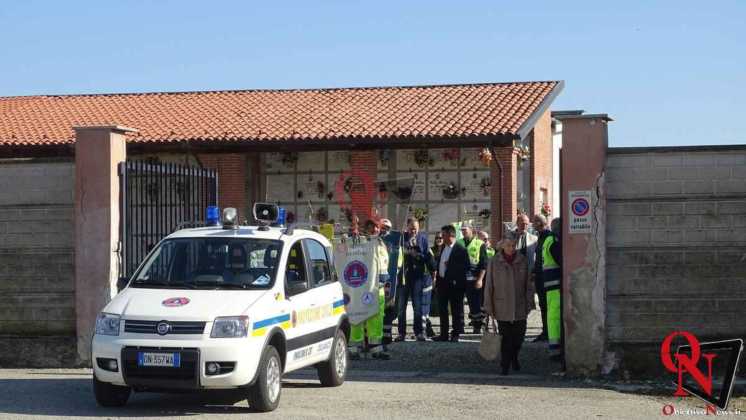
273, 379
340, 358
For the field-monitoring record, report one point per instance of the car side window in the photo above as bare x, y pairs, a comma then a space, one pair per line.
318, 263
295, 271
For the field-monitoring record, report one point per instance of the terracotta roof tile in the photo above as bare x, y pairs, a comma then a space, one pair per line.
264, 115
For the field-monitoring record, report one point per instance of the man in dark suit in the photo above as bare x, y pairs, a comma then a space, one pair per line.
452, 268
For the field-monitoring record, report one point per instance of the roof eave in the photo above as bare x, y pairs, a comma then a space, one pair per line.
528, 125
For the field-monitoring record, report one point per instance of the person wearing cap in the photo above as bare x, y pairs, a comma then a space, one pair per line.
477, 251
392, 240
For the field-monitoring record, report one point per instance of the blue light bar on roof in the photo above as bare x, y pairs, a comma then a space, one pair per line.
280, 217
212, 217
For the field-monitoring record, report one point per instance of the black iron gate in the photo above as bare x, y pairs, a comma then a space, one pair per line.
157, 199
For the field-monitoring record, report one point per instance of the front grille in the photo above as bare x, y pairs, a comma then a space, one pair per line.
177, 327
186, 376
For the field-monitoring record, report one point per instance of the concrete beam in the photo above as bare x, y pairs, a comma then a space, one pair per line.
98, 151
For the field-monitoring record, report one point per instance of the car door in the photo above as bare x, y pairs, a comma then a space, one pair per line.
298, 294
325, 294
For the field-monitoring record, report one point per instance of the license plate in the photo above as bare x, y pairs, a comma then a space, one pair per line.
159, 359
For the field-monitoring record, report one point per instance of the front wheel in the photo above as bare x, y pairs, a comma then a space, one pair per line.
109, 395
264, 395
333, 371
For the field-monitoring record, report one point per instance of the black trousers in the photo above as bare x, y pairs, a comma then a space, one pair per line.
513, 332
542, 294
455, 299
474, 300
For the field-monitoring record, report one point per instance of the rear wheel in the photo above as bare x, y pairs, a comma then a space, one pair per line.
109, 395
333, 371
264, 395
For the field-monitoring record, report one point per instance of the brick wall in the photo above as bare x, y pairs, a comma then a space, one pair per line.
232, 180
676, 249
509, 160
37, 314
541, 162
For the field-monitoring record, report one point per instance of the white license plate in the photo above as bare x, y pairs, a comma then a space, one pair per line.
159, 359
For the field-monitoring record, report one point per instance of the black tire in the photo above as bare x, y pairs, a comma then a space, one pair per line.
333, 371
262, 392
109, 395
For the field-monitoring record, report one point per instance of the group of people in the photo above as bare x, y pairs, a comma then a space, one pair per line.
497, 281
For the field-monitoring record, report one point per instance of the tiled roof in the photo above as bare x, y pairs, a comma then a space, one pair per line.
490, 109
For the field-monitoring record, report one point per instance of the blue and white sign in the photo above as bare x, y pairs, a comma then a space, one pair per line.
581, 212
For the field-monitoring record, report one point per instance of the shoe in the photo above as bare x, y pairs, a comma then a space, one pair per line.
399, 338
442, 338
454, 339
515, 365
429, 332
504, 370
539, 338
386, 341
381, 356
478, 330
421, 337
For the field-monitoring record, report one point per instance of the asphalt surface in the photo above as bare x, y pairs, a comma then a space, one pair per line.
422, 381
376, 394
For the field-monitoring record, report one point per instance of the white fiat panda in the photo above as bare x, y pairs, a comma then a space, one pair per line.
224, 307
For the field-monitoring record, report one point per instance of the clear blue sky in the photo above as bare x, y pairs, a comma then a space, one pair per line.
673, 73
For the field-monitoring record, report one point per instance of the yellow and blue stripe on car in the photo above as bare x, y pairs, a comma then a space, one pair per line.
338, 307
261, 327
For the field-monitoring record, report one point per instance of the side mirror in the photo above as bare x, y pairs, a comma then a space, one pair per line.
122, 283
294, 284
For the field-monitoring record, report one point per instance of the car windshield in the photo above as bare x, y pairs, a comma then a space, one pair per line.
211, 263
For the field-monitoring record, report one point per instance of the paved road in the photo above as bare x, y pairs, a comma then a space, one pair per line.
375, 394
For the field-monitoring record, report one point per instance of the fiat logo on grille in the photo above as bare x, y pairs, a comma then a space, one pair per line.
163, 328
175, 301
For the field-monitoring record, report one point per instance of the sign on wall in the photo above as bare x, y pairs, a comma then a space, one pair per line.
580, 212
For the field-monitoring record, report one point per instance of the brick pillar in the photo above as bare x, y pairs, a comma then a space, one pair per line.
231, 169
98, 151
584, 145
541, 163
365, 165
504, 198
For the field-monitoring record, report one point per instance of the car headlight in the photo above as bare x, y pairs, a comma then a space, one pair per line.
230, 327
107, 324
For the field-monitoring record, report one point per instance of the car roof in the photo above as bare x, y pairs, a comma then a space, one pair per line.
249, 232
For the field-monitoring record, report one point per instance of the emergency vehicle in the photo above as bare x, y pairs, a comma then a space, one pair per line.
221, 307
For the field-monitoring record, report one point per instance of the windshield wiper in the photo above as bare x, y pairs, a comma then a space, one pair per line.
220, 285
167, 285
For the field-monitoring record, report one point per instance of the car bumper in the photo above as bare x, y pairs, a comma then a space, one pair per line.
243, 352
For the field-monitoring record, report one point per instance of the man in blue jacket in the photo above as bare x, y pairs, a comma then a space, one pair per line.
416, 254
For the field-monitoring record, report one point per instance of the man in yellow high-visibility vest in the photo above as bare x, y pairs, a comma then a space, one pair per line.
552, 279
477, 251
372, 328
